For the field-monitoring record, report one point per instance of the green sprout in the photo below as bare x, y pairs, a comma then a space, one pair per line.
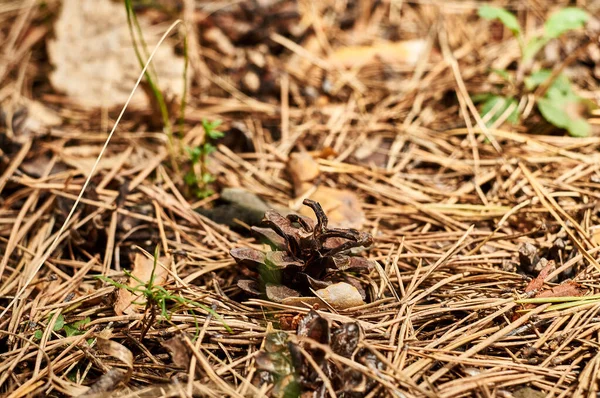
157, 297
198, 178
70, 329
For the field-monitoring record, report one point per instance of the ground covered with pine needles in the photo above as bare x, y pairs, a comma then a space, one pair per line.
467, 219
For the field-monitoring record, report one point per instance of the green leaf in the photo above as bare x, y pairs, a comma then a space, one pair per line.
569, 18
73, 329
38, 334
70, 330
207, 178
194, 154
508, 19
292, 389
204, 193
478, 98
554, 111
503, 74
579, 128
499, 105
537, 78
190, 178
533, 46
210, 127
561, 82
208, 148
215, 135
60, 322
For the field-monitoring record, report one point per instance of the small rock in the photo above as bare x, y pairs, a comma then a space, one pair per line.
341, 296
251, 82
240, 205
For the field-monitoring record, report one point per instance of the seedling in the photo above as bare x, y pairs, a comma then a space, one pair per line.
70, 329
157, 297
198, 178
559, 103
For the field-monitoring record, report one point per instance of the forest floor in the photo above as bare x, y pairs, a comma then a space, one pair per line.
481, 234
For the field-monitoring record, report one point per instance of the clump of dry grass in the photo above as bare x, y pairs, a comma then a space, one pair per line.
449, 206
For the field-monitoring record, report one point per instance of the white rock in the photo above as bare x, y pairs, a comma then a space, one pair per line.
341, 296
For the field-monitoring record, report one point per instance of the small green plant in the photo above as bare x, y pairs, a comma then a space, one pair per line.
157, 297
198, 178
70, 329
141, 52
159, 104
559, 104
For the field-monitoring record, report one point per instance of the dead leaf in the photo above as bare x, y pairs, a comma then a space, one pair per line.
116, 350
404, 52
538, 282
303, 169
179, 350
111, 379
28, 119
94, 59
278, 293
143, 267
341, 296
342, 207
106, 383
565, 289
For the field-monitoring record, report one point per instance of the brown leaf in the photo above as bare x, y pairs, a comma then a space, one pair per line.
278, 293
94, 59
106, 383
342, 207
179, 350
565, 289
116, 350
538, 282
143, 269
